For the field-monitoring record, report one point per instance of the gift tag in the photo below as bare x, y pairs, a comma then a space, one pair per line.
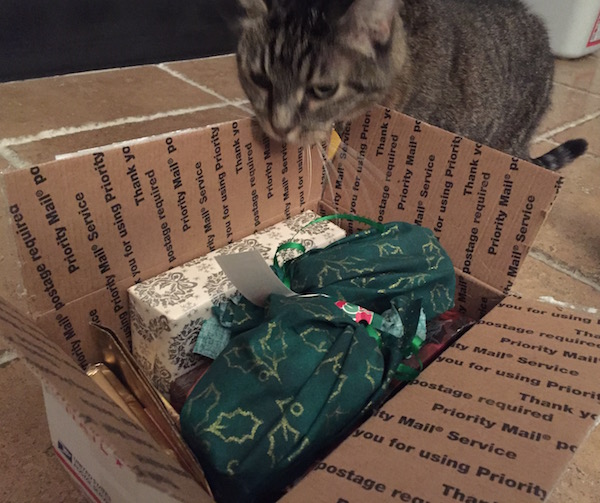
252, 276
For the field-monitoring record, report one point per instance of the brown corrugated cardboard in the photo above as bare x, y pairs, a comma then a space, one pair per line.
86, 414
485, 208
495, 419
89, 227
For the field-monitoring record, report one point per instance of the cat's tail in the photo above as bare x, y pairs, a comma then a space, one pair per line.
562, 155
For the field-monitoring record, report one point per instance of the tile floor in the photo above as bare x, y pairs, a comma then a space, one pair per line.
46, 117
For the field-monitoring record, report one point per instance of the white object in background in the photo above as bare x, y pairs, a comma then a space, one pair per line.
573, 25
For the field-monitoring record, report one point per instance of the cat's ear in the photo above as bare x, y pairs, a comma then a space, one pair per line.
255, 8
367, 24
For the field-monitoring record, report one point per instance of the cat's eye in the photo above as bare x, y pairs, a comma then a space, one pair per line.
323, 91
260, 80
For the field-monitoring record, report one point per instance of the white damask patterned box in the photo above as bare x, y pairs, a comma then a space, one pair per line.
168, 310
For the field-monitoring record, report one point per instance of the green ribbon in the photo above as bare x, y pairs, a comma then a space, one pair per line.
290, 245
294, 245
406, 373
416, 344
403, 372
347, 216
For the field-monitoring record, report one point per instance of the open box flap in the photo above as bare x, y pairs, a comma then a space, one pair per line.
516, 395
88, 227
484, 206
473, 297
103, 421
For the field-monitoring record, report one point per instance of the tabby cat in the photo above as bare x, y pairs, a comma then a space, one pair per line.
480, 68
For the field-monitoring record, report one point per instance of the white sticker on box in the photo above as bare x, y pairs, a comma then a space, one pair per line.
251, 275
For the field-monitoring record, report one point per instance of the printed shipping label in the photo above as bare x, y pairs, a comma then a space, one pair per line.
81, 474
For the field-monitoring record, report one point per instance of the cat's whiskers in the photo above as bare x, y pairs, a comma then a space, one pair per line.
327, 165
307, 148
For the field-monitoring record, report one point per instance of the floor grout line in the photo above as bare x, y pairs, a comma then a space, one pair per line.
243, 107
92, 126
7, 356
206, 89
573, 88
562, 267
187, 80
569, 125
216, 56
13, 158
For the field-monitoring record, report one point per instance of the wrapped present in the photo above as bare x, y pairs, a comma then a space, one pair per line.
304, 370
167, 311
396, 260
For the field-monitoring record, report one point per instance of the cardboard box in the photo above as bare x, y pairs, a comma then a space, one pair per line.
168, 310
495, 418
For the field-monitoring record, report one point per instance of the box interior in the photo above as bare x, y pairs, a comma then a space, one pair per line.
89, 226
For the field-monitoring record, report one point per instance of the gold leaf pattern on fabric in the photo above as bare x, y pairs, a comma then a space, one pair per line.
208, 395
282, 433
297, 409
273, 352
243, 425
237, 358
320, 345
407, 282
386, 249
231, 466
370, 369
363, 281
303, 445
304, 369
433, 254
341, 268
282, 404
340, 384
319, 312
334, 361
353, 345
243, 310
440, 296
334, 416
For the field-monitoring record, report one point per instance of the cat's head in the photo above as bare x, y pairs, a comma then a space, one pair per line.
305, 64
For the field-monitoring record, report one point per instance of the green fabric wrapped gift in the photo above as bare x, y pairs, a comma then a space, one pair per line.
298, 375
372, 267
369, 268
282, 392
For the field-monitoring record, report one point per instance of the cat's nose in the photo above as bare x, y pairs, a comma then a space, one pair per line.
282, 132
282, 120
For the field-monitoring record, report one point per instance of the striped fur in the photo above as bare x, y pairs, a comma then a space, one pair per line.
478, 68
